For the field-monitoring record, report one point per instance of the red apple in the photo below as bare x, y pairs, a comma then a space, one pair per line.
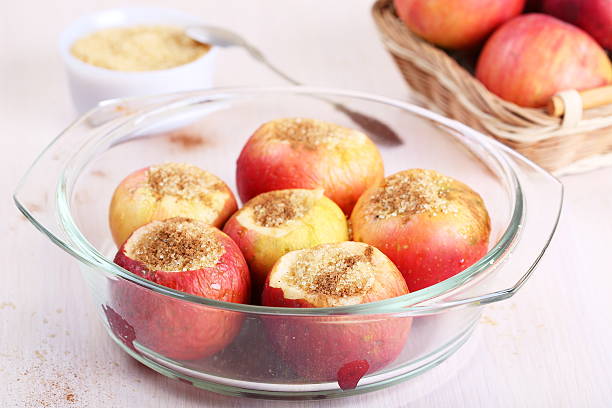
165, 191
534, 56
456, 24
593, 16
431, 226
277, 222
308, 153
340, 347
192, 257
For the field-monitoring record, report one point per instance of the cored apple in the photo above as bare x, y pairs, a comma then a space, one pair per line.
456, 24
277, 222
165, 191
340, 347
593, 16
532, 57
430, 225
192, 257
310, 154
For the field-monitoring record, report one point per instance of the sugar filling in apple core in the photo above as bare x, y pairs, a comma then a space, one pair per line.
182, 180
333, 271
175, 245
276, 208
412, 192
309, 133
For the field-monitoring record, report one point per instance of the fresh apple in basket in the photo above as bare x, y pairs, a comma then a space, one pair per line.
339, 348
532, 57
189, 256
593, 16
456, 24
308, 153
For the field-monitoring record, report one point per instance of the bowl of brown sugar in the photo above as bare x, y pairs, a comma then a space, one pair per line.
133, 52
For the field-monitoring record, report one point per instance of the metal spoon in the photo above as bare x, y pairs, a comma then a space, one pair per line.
222, 37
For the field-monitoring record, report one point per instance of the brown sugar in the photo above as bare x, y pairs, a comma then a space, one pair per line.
176, 244
138, 48
411, 192
182, 180
309, 133
332, 271
275, 208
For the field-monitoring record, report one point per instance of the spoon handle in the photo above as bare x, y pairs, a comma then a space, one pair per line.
374, 127
258, 55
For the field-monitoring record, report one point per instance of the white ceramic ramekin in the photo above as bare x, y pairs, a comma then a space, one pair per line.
90, 84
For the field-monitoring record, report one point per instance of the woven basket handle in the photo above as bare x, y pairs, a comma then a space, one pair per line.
571, 103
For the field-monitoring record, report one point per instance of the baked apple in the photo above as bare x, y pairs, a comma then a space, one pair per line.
338, 347
308, 153
277, 222
430, 225
165, 191
192, 257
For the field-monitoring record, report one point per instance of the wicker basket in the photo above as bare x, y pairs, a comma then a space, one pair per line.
578, 142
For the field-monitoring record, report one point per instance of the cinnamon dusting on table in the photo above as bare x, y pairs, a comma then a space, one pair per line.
411, 192
333, 271
187, 140
275, 208
98, 173
182, 180
33, 207
176, 244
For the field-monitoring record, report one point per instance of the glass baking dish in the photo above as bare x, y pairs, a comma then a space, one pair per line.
66, 193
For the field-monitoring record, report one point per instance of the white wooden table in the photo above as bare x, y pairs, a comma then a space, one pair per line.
547, 347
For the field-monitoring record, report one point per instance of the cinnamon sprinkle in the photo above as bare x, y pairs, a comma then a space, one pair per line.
176, 244
182, 180
276, 208
412, 192
333, 269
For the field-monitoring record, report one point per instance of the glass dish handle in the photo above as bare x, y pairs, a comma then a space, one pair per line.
544, 193
36, 192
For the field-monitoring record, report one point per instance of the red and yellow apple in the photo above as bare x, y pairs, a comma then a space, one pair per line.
277, 222
165, 191
310, 154
593, 16
456, 24
431, 226
340, 347
192, 257
532, 57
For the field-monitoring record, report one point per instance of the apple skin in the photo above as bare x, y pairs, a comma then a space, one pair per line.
427, 249
133, 205
336, 348
323, 223
456, 24
343, 171
179, 329
532, 57
593, 16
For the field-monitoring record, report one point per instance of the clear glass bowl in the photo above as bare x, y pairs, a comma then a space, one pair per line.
66, 193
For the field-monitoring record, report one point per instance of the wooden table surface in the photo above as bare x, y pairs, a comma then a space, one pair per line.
546, 347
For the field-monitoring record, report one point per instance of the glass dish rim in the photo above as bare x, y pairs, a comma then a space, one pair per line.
84, 251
